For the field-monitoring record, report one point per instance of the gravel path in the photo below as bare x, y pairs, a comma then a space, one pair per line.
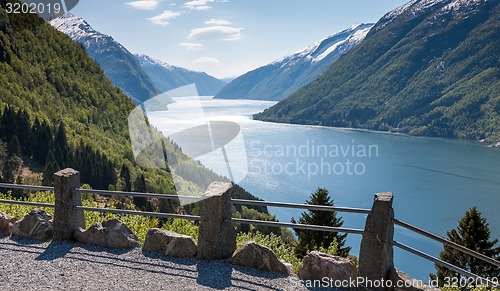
31, 265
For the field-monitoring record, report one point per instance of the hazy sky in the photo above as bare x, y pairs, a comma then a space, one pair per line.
225, 37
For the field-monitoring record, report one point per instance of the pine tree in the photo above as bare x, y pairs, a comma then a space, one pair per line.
140, 186
127, 180
11, 169
473, 233
309, 240
14, 147
61, 146
51, 167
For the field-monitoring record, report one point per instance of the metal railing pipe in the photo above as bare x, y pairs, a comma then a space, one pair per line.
448, 243
26, 187
134, 212
444, 264
137, 194
27, 203
297, 226
302, 206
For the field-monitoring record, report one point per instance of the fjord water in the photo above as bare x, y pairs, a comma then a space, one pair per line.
434, 181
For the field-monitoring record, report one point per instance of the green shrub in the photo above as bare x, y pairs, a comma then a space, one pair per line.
138, 224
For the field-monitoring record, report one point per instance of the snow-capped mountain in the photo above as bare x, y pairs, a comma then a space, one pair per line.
119, 65
279, 79
167, 77
429, 67
417, 8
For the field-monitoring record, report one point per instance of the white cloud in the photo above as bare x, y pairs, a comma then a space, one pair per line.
144, 4
163, 18
206, 60
200, 4
217, 32
192, 46
214, 21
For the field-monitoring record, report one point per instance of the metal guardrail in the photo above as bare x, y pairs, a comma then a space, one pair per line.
445, 264
27, 203
448, 243
442, 263
26, 187
137, 194
302, 206
297, 225
268, 223
143, 213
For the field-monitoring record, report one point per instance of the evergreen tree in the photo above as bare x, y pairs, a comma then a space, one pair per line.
42, 141
14, 147
127, 180
140, 186
23, 131
309, 240
51, 167
11, 169
473, 233
61, 146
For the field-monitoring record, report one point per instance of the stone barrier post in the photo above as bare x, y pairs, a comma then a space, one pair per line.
66, 218
217, 235
376, 252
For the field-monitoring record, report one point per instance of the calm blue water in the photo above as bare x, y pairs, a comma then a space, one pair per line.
434, 181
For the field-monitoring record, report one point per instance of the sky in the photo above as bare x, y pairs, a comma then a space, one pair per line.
225, 38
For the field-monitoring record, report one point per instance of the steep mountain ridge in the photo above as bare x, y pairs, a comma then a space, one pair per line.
427, 68
119, 65
167, 77
282, 77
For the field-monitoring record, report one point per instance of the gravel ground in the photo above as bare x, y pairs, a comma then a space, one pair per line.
27, 264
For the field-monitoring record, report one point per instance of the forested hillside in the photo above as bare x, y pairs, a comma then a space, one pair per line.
118, 64
428, 68
58, 109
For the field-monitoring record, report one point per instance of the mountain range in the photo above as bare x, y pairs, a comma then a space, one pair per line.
430, 68
279, 79
58, 110
118, 64
139, 76
167, 77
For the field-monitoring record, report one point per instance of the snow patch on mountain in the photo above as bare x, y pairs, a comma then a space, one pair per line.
75, 27
357, 37
412, 8
146, 60
321, 49
83, 33
284, 76
460, 4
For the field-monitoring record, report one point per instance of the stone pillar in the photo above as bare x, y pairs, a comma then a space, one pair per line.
376, 252
66, 218
217, 236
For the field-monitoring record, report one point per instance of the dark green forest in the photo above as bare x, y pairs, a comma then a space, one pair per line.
58, 110
429, 72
